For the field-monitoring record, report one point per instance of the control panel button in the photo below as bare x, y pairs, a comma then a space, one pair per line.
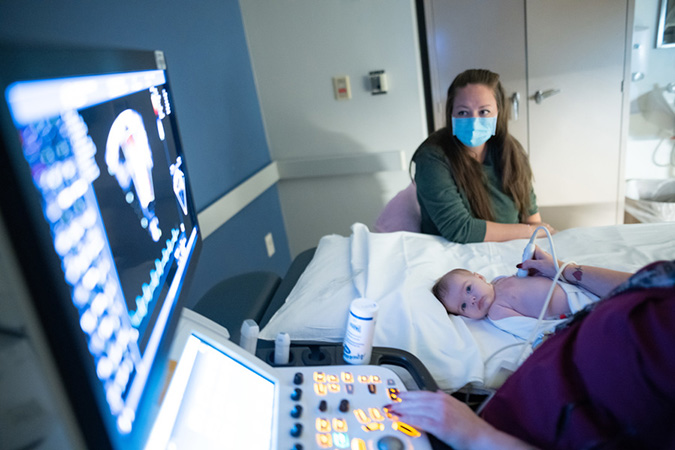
373, 426
324, 440
358, 444
322, 425
390, 443
296, 395
376, 414
340, 425
319, 377
296, 412
320, 389
361, 416
344, 405
296, 431
406, 429
393, 394
340, 440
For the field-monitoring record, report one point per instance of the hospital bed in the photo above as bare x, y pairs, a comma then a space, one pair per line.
397, 270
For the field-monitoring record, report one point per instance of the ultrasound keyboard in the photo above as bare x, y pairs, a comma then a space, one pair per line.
342, 407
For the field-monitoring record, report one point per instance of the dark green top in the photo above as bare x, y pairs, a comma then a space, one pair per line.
445, 209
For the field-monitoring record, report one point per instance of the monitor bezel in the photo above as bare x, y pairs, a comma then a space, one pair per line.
40, 267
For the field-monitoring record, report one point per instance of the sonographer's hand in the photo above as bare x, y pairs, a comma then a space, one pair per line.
449, 420
541, 264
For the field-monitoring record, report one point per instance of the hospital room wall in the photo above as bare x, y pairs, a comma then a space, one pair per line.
216, 105
297, 47
646, 142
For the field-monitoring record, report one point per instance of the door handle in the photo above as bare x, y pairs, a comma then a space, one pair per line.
540, 96
515, 105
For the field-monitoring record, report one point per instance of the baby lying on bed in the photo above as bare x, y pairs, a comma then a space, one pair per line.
468, 294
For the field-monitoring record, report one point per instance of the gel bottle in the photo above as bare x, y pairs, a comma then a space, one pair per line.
358, 341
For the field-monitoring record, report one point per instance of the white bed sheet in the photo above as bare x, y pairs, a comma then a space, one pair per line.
398, 269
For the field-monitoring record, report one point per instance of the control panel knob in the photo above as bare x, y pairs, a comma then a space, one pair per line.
296, 395
323, 406
298, 378
390, 443
296, 411
298, 447
296, 431
344, 405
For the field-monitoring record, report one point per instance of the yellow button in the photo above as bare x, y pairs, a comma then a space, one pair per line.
320, 389
361, 416
319, 377
347, 377
324, 440
363, 378
334, 387
340, 425
376, 414
373, 426
375, 379
333, 378
322, 425
405, 429
358, 444
393, 394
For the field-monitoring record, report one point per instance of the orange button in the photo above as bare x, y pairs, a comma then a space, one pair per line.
406, 429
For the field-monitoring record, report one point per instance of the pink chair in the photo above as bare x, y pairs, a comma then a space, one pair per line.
402, 213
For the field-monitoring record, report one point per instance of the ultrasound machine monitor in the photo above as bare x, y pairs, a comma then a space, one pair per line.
98, 218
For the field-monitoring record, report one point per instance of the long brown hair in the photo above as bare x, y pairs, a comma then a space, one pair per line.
506, 153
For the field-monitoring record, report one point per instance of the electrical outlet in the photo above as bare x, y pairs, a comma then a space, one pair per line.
269, 243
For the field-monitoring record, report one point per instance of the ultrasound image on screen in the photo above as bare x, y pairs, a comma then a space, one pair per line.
114, 194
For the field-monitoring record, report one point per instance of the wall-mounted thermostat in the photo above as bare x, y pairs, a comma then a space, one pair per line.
378, 82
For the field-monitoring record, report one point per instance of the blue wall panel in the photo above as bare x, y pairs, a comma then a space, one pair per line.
223, 256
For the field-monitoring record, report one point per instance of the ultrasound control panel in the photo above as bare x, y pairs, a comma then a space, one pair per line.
221, 396
342, 407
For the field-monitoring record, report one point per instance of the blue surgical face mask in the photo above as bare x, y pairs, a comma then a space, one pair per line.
474, 131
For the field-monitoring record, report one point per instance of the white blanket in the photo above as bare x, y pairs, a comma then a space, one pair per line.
398, 269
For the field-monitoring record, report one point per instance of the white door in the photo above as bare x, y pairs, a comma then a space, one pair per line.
576, 47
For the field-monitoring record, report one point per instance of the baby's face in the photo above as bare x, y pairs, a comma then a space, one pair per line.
467, 294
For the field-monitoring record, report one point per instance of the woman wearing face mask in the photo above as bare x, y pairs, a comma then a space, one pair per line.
474, 181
